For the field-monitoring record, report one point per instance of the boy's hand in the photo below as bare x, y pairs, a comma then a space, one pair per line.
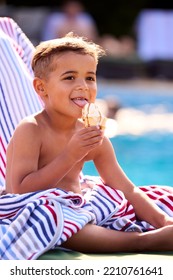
84, 141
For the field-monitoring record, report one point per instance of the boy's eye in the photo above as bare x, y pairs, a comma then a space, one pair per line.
69, 78
90, 78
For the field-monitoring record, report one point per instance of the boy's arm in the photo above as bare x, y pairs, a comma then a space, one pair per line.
23, 171
113, 176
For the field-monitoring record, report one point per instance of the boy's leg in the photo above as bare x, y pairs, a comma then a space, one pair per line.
96, 239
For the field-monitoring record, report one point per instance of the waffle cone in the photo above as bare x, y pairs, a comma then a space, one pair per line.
103, 123
92, 121
89, 121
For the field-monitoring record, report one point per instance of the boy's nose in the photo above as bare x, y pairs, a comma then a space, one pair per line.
82, 85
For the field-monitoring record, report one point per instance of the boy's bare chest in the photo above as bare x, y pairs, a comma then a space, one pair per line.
52, 146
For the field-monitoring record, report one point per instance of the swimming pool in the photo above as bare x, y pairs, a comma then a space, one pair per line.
147, 156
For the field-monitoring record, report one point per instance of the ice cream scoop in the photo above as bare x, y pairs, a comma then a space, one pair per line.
92, 116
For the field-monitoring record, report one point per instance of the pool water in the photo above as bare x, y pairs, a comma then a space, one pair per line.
147, 158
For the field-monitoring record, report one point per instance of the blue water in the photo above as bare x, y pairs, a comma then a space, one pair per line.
144, 99
146, 159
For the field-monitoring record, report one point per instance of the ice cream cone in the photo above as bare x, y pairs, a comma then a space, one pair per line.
92, 116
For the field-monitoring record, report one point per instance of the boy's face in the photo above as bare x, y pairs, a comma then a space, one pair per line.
71, 85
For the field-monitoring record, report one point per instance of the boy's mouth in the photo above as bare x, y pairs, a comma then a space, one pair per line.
80, 101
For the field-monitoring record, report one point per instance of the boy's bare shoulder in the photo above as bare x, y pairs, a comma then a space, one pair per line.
27, 126
27, 122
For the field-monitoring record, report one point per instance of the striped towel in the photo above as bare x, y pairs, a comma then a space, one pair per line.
113, 211
33, 223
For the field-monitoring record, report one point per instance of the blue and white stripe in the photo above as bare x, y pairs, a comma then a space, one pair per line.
39, 223
18, 98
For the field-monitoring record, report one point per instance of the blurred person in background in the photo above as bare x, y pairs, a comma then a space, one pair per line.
70, 17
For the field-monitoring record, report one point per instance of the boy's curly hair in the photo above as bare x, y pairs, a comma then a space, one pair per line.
45, 52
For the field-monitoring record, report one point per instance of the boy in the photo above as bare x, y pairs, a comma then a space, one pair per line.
48, 150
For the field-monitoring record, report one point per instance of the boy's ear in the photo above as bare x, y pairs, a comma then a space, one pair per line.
39, 87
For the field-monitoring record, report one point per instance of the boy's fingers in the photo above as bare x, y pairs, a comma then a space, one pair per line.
92, 130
